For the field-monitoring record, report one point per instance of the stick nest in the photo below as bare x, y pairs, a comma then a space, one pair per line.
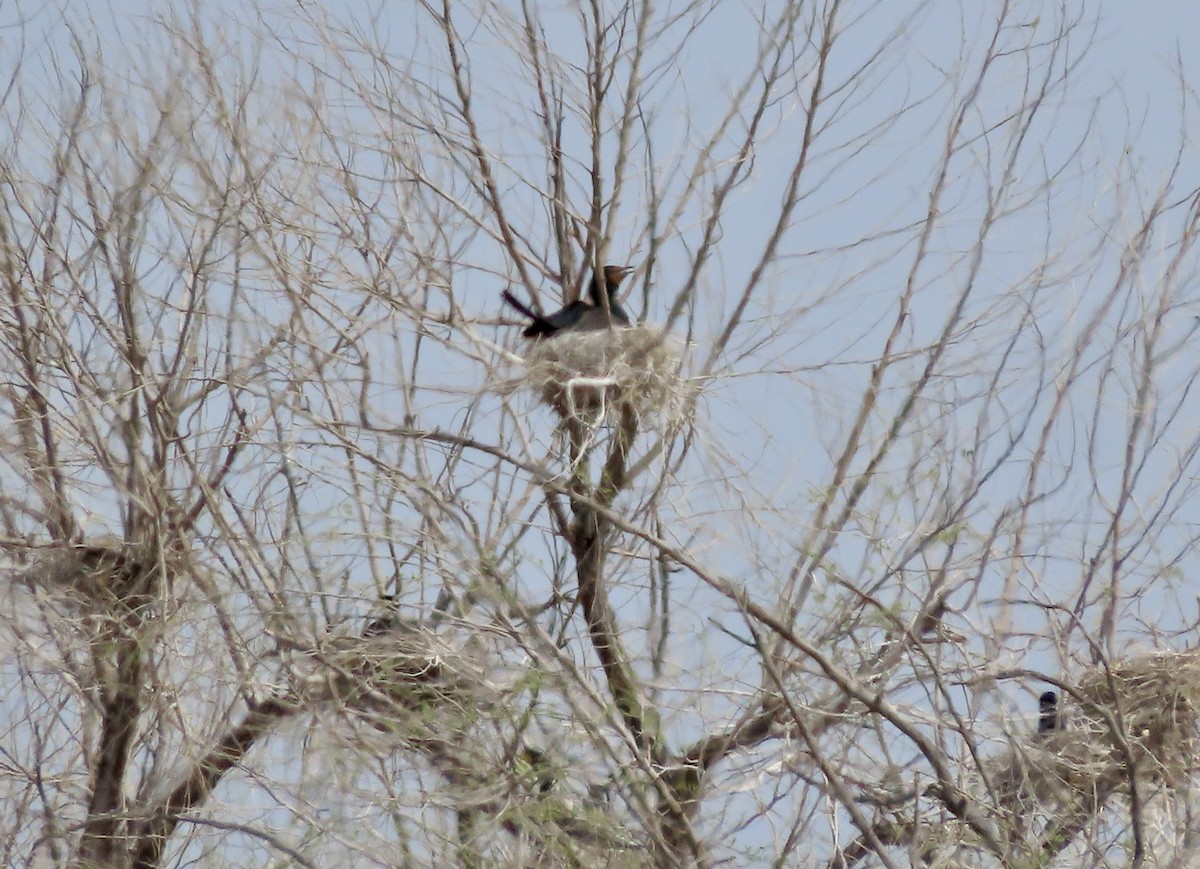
1138, 717
584, 375
106, 577
416, 669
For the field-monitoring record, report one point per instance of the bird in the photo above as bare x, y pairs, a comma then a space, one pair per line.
535, 767
580, 316
387, 619
1048, 706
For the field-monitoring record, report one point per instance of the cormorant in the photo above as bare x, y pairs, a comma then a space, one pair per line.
579, 316
1048, 705
387, 619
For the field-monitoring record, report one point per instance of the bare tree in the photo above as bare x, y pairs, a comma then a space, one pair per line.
312, 559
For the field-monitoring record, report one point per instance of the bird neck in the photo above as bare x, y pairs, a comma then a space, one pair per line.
595, 298
594, 292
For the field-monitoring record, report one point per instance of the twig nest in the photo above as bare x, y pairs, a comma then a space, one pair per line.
584, 375
1047, 769
106, 575
1136, 717
1154, 700
415, 669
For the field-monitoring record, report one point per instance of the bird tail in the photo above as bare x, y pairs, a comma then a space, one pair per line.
520, 306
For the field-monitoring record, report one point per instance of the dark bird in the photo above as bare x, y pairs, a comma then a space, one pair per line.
387, 619
535, 766
1048, 706
580, 316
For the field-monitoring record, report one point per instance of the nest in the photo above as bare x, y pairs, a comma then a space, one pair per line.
1152, 702
106, 577
402, 680
1138, 718
585, 375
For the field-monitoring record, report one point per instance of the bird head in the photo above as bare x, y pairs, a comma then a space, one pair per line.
613, 275
1048, 706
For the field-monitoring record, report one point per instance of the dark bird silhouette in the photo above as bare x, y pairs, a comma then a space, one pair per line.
580, 316
538, 768
1048, 706
387, 619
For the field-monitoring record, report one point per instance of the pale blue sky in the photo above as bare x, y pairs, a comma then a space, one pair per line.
777, 413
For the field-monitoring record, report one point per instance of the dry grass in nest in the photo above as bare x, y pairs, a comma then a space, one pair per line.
1152, 702
1139, 717
585, 375
416, 668
106, 577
